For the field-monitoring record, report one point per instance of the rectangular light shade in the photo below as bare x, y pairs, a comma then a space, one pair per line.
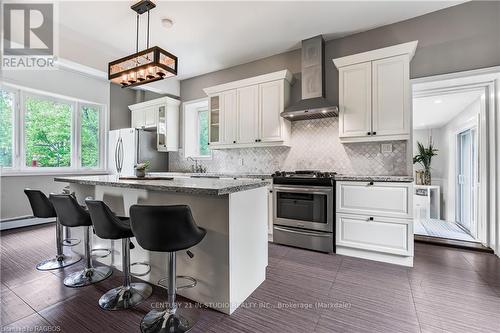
143, 67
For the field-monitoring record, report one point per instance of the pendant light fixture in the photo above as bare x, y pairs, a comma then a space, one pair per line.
149, 65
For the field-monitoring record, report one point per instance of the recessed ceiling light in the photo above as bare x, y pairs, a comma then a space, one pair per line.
438, 101
167, 23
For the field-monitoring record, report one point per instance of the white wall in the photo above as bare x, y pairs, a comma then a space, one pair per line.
63, 82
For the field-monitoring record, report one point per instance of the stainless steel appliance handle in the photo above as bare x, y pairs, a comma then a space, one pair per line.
306, 233
120, 155
308, 189
116, 154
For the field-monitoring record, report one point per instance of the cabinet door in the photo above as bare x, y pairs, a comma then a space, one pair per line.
374, 233
214, 119
161, 130
150, 116
375, 198
271, 105
248, 114
355, 100
137, 118
229, 116
391, 99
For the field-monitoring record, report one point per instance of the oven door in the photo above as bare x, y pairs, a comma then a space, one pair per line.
306, 207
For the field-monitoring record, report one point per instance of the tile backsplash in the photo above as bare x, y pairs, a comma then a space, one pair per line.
314, 145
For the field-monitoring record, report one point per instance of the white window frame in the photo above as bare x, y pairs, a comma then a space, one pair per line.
191, 107
19, 167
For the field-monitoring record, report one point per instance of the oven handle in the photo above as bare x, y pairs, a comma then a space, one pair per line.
310, 189
307, 233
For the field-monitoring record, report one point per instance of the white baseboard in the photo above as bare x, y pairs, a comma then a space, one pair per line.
23, 222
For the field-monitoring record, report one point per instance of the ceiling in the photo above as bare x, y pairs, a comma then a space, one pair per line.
437, 110
209, 36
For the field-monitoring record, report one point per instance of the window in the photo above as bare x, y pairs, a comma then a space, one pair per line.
196, 129
49, 133
202, 131
89, 136
7, 105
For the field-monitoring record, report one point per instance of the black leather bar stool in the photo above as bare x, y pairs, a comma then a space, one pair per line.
166, 229
43, 208
109, 226
71, 214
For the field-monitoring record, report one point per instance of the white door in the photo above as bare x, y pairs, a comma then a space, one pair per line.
466, 180
248, 114
229, 114
355, 99
129, 151
391, 108
271, 105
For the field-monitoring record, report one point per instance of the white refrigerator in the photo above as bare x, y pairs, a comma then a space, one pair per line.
129, 146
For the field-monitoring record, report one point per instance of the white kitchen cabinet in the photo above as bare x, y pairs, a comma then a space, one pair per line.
272, 126
229, 117
248, 115
374, 94
355, 112
160, 115
374, 233
391, 96
374, 221
375, 198
138, 119
248, 112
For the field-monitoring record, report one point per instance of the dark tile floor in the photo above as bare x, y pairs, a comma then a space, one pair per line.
448, 290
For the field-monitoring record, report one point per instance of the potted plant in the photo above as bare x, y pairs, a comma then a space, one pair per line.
140, 169
424, 158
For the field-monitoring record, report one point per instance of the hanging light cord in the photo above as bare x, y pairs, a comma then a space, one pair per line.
147, 47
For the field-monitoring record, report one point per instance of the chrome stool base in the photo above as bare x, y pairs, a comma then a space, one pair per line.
57, 263
125, 297
88, 276
158, 321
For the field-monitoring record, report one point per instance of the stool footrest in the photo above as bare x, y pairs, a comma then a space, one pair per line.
107, 252
71, 241
192, 282
140, 263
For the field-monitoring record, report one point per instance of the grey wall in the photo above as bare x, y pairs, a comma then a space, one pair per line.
120, 99
458, 38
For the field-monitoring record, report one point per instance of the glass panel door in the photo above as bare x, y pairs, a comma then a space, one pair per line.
465, 179
214, 128
161, 129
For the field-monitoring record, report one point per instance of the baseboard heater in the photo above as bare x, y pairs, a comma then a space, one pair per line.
24, 221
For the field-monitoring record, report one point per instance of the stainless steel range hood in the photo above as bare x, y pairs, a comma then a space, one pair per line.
313, 103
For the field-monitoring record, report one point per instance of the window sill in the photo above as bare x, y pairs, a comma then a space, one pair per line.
17, 173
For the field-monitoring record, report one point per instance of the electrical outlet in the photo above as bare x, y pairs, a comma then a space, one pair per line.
240, 162
386, 148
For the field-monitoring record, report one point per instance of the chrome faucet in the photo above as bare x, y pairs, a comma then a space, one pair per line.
197, 168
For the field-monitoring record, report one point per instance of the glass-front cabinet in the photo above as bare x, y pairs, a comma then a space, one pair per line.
214, 119
161, 129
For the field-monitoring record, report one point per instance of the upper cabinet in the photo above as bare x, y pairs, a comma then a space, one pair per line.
162, 115
246, 113
374, 94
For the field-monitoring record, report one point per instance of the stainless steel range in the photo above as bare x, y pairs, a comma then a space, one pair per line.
304, 209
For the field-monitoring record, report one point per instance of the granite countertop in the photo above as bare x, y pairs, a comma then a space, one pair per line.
182, 184
368, 178
213, 174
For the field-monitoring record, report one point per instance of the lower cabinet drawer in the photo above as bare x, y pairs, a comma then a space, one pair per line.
380, 234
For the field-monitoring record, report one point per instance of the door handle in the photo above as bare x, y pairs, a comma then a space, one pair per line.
307, 233
116, 154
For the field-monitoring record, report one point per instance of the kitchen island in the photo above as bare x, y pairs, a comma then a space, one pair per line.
230, 262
